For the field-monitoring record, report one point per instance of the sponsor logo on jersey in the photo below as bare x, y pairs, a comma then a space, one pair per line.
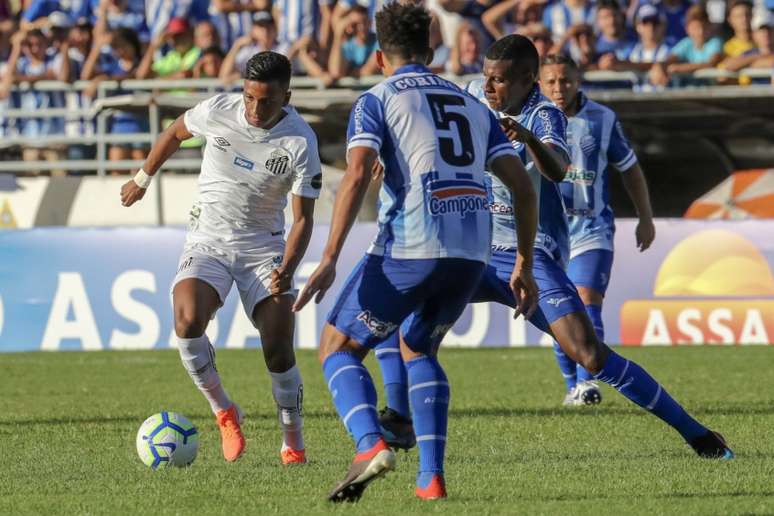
244, 163
580, 176
500, 208
556, 301
588, 144
379, 329
461, 196
277, 163
423, 81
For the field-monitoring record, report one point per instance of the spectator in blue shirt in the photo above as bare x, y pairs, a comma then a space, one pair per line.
30, 62
695, 52
352, 53
116, 57
35, 16
121, 14
614, 42
467, 56
77, 48
560, 16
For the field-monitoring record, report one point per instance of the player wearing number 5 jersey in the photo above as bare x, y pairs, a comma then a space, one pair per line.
597, 143
258, 150
432, 246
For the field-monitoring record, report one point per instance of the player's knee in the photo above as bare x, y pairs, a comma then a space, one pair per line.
189, 325
593, 357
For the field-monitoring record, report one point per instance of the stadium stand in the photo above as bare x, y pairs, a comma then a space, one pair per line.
86, 86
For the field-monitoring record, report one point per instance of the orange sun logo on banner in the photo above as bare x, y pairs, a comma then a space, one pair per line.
714, 287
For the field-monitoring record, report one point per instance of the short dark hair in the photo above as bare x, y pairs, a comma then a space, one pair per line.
213, 50
268, 66
516, 48
403, 31
560, 59
613, 5
129, 37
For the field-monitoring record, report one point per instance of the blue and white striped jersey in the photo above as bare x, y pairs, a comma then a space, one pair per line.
231, 26
596, 141
158, 13
435, 142
548, 124
298, 18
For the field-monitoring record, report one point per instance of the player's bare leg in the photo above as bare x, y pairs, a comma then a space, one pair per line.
342, 358
429, 395
194, 303
275, 321
575, 334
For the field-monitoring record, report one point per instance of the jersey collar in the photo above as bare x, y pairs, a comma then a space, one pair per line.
532, 99
582, 101
412, 68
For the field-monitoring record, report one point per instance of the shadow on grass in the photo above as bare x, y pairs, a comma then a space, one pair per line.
728, 410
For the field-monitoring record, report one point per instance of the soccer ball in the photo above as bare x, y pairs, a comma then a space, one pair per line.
167, 439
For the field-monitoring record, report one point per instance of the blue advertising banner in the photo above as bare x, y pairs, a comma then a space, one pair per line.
93, 289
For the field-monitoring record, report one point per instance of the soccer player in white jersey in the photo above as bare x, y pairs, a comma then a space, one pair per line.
434, 141
258, 149
596, 143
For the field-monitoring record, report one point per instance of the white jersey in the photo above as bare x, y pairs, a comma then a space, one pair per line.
247, 173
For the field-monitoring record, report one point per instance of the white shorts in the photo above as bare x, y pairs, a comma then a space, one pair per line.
249, 269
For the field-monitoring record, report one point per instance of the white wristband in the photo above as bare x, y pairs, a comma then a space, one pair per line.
142, 179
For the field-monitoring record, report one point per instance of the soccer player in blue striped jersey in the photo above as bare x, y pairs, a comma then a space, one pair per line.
596, 143
535, 126
435, 142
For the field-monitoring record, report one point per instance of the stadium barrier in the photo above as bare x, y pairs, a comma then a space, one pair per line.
93, 289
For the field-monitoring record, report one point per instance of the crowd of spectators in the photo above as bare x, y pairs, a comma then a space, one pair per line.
664, 41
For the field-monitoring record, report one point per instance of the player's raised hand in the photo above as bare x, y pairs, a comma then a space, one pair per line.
524, 290
645, 234
131, 192
319, 283
515, 131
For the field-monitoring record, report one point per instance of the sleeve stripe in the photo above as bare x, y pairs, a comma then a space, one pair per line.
629, 161
371, 144
555, 141
366, 136
508, 151
498, 148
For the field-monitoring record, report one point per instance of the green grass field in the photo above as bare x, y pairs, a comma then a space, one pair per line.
68, 423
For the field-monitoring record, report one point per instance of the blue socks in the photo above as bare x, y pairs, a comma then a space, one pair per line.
595, 314
575, 373
394, 375
567, 366
635, 383
429, 394
354, 396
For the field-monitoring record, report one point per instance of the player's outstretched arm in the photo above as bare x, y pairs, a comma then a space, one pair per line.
169, 141
550, 160
510, 170
298, 241
349, 199
637, 188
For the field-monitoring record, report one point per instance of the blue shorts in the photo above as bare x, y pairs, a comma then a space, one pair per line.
423, 297
557, 295
591, 269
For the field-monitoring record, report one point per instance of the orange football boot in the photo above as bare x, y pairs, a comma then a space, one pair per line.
435, 490
231, 437
290, 456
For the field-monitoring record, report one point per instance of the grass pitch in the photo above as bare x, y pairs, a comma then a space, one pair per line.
68, 423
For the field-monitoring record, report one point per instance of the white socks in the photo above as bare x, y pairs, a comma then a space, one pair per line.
288, 391
198, 358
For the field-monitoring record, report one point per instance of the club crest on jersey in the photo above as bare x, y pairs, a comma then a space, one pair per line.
277, 163
460, 196
243, 163
379, 329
